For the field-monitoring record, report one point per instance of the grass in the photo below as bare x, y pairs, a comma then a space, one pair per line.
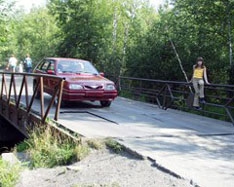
212, 109
95, 144
9, 173
139, 97
126, 94
47, 148
115, 146
211, 112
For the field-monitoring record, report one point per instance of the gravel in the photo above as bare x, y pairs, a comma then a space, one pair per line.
102, 168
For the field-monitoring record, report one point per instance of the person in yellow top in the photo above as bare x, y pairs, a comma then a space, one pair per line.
199, 75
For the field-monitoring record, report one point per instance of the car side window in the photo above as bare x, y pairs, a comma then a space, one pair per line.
40, 65
51, 66
44, 66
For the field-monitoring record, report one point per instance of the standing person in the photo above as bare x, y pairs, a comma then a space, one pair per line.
12, 63
28, 64
199, 75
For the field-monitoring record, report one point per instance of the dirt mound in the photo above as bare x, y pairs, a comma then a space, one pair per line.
102, 168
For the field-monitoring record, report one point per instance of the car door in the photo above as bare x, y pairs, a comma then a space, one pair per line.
43, 69
51, 82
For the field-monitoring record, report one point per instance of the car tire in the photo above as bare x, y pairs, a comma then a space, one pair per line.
38, 93
105, 103
62, 105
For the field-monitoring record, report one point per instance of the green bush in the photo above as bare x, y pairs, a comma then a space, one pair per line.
22, 146
9, 173
113, 145
95, 144
48, 148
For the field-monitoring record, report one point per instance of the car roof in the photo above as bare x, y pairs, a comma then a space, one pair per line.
62, 58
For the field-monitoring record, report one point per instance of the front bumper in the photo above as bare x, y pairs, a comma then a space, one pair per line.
82, 95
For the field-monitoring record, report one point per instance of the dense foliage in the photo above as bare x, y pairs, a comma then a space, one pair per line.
9, 173
126, 37
4, 27
47, 148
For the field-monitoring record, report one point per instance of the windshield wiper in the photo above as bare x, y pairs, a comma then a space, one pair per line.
68, 71
89, 73
86, 72
79, 72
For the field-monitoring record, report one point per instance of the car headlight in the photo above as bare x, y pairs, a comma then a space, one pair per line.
75, 87
109, 87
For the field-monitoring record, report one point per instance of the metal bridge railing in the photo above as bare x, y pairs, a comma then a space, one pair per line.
16, 100
173, 94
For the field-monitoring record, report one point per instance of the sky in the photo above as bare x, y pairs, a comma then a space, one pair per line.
27, 4
156, 3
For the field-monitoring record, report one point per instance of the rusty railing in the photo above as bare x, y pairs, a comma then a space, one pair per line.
16, 100
173, 94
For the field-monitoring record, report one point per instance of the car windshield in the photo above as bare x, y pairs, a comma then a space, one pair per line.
71, 66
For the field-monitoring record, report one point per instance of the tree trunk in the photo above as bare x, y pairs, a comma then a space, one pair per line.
180, 63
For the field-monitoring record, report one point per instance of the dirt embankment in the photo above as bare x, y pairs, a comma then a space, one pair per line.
102, 168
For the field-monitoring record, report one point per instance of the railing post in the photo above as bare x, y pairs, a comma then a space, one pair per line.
20, 93
26, 90
42, 97
11, 109
59, 100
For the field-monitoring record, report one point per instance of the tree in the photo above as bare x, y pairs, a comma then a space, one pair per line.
100, 31
214, 33
35, 33
5, 9
83, 28
194, 31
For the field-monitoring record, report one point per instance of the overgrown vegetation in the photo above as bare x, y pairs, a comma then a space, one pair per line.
95, 144
114, 145
126, 37
48, 148
9, 173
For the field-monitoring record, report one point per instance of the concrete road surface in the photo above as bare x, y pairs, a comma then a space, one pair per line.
194, 147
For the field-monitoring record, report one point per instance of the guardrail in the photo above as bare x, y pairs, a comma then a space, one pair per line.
16, 101
173, 94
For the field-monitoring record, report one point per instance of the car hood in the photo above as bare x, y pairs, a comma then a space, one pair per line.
87, 79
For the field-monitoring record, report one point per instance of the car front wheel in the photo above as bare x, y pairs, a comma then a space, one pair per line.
105, 103
62, 105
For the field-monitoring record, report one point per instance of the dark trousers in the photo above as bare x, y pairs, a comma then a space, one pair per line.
28, 69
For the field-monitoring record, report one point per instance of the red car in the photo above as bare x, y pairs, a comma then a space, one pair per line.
82, 80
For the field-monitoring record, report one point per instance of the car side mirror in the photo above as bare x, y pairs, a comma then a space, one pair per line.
50, 72
102, 74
